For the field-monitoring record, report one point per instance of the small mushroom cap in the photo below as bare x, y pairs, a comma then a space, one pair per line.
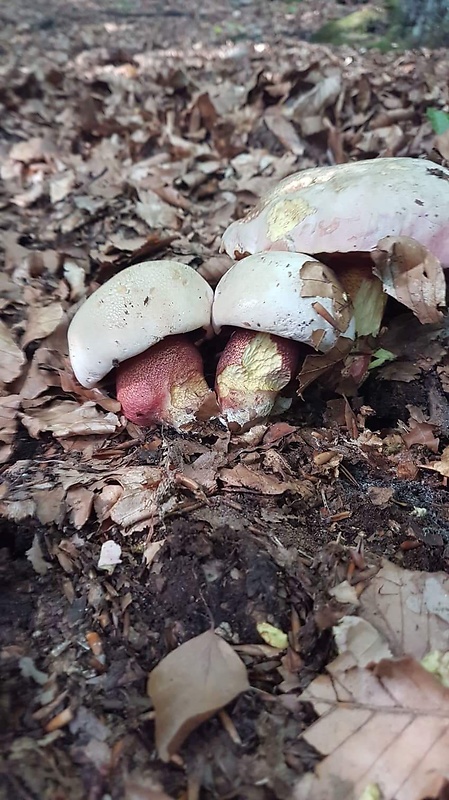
287, 294
135, 309
349, 208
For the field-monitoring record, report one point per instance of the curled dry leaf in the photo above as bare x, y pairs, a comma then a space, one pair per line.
316, 365
386, 728
8, 417
256, 480
12, 358
67, 418
412, 275
143, 790
441, 466
41, 322
190, 684
410, 609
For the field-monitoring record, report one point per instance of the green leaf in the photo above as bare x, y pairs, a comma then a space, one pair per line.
381, 357
439, 120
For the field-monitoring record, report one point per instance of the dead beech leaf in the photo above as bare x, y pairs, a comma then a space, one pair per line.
421, 433
316, 365
386, 728
79, 501
67, 418
412, 275
284, 130
190, 684
11, 357
243, 476
410, 609
441, 466
35, 149
380, 495
36, 557
9, 406
140, 789
41, 322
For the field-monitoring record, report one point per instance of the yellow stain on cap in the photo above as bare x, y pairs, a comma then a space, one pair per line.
284, 215
260, 369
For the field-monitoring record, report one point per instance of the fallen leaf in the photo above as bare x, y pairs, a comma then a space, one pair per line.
36, 557
257, 481
412, 275
387, 727
66, 418
190, 684
410, 609
41, 322
12, 358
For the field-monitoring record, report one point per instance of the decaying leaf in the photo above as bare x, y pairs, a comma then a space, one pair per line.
36, 557
190, 684
384, 722
12, 358
41, 322
410, 609
387, 727
441, 466
412, 275
256, 480
67, 418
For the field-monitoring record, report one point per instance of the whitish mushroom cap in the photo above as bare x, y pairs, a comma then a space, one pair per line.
287, 294
349, 208
134, 310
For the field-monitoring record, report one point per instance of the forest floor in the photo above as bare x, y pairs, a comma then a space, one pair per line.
141, 129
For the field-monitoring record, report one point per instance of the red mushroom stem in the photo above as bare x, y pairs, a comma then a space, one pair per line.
163, 384
252, 370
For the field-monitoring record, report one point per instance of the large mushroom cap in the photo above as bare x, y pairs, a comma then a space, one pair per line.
349, 208
133, 311
286, 294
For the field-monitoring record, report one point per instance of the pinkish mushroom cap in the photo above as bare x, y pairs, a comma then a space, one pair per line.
348, 208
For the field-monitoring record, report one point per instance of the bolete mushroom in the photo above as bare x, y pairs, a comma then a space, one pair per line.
135, 322
349, 208
279, 299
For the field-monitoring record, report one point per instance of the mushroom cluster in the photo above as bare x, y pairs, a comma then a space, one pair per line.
148, 321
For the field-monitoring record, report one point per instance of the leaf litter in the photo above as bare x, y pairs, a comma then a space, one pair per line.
124, 137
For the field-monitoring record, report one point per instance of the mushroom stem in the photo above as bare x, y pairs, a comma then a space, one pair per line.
163, 384
252, 370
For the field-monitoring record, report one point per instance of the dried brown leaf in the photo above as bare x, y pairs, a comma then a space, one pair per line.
257, 481
190, 684
412, 275
410, 609
284, 130
66, 418
386, 728
41, 322
79, 501
9, 406
441, 466
12, 358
